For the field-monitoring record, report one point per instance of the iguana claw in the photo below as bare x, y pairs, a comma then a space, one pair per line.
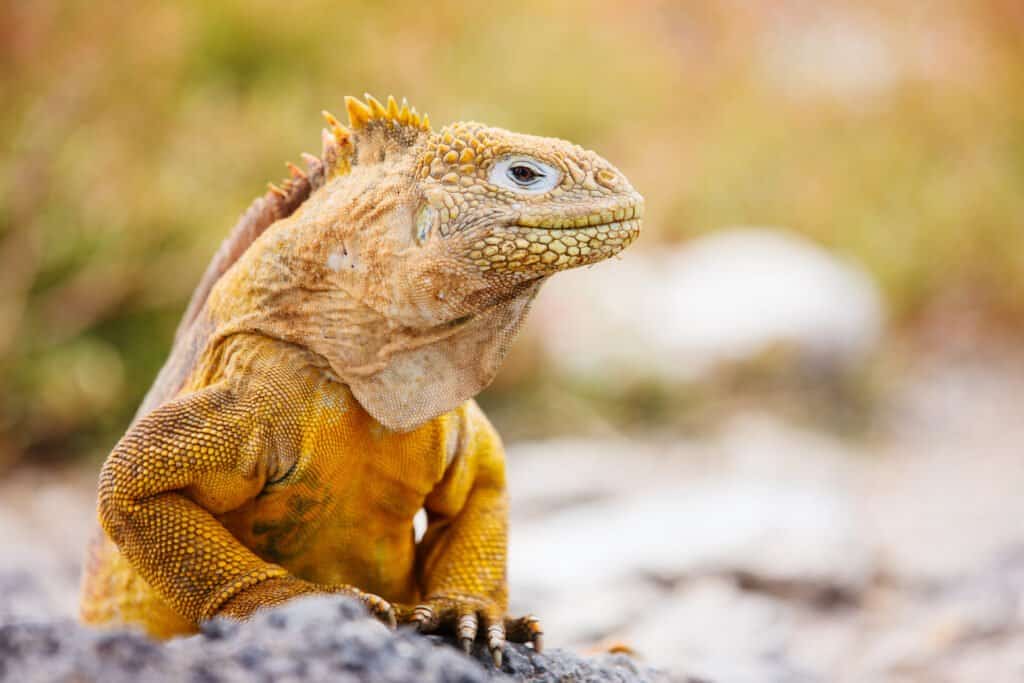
525, 630
377, 606
495, 642
463, 618
467, 630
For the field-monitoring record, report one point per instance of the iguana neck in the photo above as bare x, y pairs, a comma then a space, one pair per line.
295, 284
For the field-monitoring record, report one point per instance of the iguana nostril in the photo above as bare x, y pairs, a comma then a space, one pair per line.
607, 179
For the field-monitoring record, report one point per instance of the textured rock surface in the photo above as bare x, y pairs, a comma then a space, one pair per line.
314, 639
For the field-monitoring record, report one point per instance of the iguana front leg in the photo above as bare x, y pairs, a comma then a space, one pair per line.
200, 455
462, 558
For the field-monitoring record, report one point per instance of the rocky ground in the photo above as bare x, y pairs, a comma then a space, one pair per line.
314, 639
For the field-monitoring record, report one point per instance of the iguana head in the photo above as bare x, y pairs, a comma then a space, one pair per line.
477, 213
414, 258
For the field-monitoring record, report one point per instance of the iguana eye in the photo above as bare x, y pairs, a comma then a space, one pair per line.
523, 174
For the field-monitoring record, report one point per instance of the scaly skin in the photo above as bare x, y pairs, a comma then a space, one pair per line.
319, 392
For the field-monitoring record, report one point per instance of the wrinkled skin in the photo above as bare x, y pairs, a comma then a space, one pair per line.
320, 389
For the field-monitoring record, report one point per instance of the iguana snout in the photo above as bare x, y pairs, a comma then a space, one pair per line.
522, 204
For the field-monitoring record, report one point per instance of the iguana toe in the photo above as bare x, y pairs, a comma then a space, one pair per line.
467, 619
525, 630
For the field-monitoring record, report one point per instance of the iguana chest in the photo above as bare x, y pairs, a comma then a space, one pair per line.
343, 510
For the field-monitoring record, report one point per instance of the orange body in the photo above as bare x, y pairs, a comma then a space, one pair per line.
291, 479
319, 391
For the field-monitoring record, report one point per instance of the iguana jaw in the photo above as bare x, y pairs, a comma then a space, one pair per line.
543, 244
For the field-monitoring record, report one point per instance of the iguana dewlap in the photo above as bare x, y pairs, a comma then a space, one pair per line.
319, 393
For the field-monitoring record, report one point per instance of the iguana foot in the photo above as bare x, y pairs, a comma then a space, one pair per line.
277, 590
377, 606
465, 616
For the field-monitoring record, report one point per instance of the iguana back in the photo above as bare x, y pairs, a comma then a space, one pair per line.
278, 202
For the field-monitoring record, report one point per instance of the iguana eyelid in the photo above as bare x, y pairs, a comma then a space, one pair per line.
548, 177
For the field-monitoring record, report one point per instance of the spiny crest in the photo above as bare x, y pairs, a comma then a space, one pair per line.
337, 140
336, 147
293, 190
361, 114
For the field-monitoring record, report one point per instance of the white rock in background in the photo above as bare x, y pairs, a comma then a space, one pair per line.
774, 531
678, 313
768, 501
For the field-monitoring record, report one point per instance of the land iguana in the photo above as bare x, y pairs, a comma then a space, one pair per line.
319, 392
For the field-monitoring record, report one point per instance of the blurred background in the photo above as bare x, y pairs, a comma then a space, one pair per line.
781, 438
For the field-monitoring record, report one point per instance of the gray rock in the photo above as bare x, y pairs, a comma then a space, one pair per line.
325, 638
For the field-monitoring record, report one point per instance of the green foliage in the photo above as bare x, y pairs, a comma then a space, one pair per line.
137, 132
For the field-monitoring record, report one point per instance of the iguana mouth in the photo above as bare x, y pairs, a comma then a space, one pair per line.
623, 216
598, 230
